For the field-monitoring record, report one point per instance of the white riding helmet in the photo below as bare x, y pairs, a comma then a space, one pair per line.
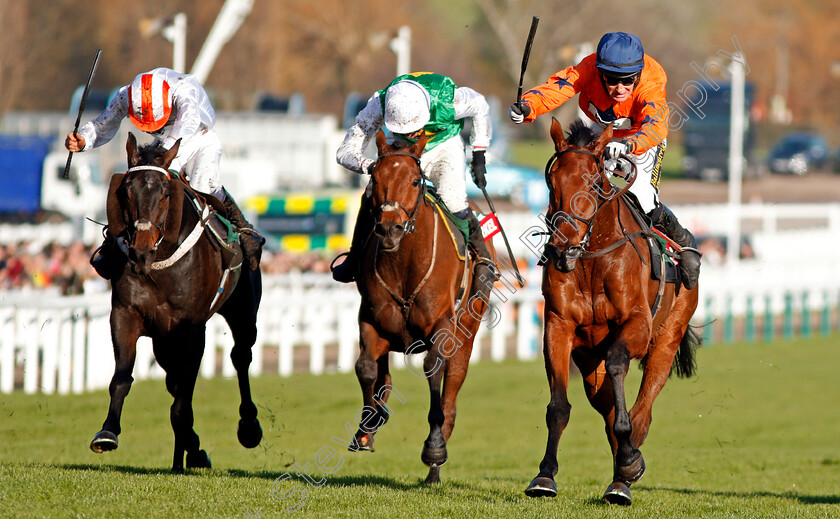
407, 106
149, 102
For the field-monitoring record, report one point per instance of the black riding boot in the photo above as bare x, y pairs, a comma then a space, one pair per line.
102, 258
665, 220
484, 263
250, 240
346, 271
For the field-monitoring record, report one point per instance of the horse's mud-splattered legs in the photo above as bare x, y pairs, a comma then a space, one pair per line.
557, 352
434, 448
180, 382
125, 351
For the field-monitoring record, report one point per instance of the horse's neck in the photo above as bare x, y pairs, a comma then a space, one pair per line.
610, 222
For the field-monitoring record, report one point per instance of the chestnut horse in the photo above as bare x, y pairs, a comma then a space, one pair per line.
410, 279
167, 290
600, 309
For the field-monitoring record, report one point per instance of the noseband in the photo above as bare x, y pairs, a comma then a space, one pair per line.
409, 224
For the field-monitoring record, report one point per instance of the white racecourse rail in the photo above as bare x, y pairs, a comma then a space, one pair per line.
63, 344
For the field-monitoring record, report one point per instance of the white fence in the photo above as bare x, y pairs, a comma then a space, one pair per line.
308, 322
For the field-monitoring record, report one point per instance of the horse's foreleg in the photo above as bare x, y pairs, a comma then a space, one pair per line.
557, 352
367, 373
629, 465
382, 389
434, 448
180, 382
124, 334
453, 378
598, 389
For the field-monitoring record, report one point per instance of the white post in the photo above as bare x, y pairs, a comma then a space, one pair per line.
401, 46
736, 162
230, 18
176, 33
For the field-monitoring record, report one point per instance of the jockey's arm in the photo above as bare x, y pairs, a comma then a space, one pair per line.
351, 153
654, 114
469, 103
102, 129
558, 89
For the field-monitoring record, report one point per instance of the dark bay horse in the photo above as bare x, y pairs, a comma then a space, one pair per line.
410, 279
599, 310
171, 282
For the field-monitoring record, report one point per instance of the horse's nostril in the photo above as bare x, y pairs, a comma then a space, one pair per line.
397, 230
379, 229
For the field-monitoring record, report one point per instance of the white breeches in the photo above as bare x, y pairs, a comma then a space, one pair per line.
648, 165
198, 158
446, 166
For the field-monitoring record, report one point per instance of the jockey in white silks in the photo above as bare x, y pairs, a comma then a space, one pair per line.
170, 105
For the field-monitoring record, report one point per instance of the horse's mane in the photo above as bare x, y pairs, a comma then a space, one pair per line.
580, 134
151, 153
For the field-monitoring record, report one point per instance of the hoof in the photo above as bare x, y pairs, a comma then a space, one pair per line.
631, 473
434, 455
104, 441
362, 443
249, 433
197, 460
541, 486
434, 475
618, 494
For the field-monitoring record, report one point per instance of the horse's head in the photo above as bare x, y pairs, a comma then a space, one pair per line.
397, 190
145, 203
577, 184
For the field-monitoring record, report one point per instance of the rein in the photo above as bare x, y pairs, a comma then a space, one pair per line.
184, 246
600, 197
410, 226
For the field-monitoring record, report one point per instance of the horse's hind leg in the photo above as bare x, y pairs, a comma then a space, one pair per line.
180, 382
240, 312
124, 333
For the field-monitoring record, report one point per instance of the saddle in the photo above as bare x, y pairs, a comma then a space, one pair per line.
659, 249
452, 223
218, 227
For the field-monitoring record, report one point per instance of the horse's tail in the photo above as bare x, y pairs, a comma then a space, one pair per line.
685, 363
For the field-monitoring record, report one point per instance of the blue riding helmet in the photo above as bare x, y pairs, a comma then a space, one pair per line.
620, 54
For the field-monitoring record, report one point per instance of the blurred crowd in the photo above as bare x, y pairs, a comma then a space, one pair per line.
65, 269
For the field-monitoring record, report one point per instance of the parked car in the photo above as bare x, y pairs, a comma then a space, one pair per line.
799, 153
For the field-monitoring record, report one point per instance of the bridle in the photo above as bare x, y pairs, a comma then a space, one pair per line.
409, 224
145, 225
600, 197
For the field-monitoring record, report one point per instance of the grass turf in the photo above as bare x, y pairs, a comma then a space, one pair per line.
754, 434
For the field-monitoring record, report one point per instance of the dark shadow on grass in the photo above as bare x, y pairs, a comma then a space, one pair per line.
792, 496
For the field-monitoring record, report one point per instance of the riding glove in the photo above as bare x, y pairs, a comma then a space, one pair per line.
518, 112
616, 149
478, 169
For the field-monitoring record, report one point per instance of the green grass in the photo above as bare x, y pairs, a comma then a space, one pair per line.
753, 435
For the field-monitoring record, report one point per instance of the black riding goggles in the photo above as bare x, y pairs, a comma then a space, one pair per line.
614, 80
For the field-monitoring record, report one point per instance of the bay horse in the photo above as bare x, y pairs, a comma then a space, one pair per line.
167, 287
600, 309
410, 279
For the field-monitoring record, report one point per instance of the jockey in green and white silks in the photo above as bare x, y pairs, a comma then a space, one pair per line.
433, 103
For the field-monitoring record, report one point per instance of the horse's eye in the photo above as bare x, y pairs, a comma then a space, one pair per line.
416, 182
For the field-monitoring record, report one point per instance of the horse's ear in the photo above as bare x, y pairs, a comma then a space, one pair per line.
598, 146
420, 145
172, 227
113, 211
131, 149
381, 145
560, 143
170, 155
